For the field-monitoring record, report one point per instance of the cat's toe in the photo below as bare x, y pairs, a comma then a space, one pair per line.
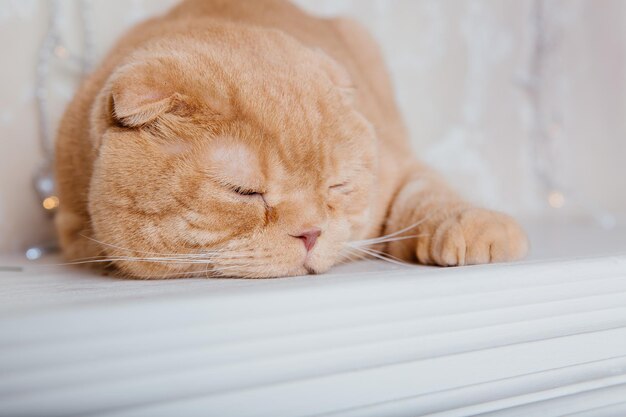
448, 245
478, 236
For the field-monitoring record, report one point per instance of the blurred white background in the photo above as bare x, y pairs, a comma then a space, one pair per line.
520, 103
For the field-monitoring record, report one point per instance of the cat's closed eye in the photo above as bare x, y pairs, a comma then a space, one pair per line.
242, 191
343, 187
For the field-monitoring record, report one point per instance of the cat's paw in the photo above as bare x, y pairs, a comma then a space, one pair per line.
474, 236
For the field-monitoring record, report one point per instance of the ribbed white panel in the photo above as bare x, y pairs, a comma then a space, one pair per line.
542, 338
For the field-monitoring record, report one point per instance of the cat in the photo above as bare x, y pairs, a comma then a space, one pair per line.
246, 138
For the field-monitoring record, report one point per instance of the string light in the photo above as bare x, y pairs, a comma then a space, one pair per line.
34, 253
50, 203
556, 199
61, 52
53, 47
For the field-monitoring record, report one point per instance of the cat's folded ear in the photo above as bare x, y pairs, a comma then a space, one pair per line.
141, 93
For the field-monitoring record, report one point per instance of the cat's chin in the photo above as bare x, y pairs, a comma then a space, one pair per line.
316, 262
314, 270
308, 267
300, 270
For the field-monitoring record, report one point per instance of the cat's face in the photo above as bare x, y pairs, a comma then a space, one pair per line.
230, 165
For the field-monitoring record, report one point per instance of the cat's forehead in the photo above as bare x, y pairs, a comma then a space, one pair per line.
256, 163
232, 158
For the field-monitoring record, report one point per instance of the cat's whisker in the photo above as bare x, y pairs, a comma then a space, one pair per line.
101, 257
394, 234
357, 255
185, 259
211, 269
387, 259
353, 254
110, 245
202, 257
345, 256
176, 260
388, 256
138, 260
372, 242
382, 256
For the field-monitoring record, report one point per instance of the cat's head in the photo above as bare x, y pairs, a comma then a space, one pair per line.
236, 157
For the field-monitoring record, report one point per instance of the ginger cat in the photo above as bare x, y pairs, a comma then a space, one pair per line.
245, 138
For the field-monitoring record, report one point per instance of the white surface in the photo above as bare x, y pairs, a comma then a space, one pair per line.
543, 337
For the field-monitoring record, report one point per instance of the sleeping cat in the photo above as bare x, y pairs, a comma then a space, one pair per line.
245, 138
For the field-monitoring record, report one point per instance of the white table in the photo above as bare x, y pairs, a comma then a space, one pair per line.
544, 337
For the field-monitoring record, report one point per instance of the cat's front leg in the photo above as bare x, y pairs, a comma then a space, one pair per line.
447, 230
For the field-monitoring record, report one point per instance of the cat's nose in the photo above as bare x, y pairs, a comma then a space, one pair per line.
309, 237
